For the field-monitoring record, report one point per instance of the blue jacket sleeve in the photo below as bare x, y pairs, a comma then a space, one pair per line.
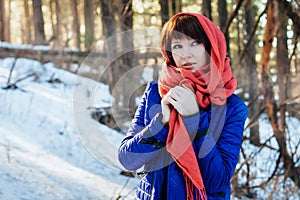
192, 124
218, 156
143, 141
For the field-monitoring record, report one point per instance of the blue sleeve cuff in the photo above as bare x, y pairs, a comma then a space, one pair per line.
191, 123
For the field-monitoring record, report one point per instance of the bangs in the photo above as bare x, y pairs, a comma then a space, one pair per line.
188, 26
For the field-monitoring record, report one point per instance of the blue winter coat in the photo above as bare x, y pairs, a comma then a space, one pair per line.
216, 143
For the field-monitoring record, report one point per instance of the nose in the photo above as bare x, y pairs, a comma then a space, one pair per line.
186, 53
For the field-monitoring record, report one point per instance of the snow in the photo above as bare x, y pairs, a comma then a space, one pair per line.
48, 153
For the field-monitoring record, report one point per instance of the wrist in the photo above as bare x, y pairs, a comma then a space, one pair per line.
162, 119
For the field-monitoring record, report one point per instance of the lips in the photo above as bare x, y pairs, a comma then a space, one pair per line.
188, 65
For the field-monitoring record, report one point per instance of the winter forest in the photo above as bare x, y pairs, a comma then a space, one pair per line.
72, 62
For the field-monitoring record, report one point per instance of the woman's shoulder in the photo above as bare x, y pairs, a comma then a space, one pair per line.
152, 90
234, 102
152, 85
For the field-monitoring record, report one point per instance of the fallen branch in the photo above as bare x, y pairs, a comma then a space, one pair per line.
14, 86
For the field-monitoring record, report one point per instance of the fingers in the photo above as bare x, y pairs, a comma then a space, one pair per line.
176, 93
171, 100
185, 89
179, 93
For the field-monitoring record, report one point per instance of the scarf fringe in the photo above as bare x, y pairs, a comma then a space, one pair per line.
191, 190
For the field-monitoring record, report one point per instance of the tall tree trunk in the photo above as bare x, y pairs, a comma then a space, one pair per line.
207, 9
126, 19
2, 20
76, 24
58, 33
164, 11
266, 85
38, 22
128, 69
282, 63
89, 23
6, 20
109, 28
252, 76
52, 19
28, 20
176, 6
223, 15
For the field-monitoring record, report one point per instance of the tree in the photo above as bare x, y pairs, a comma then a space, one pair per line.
38, 22
76, 24
58, 25
206, 9
89, 23
5, 21
282, 61
52, 8
176, 6
128, 61
27, 23
164, 11
250, 63
223, 15
2, 21
109, 28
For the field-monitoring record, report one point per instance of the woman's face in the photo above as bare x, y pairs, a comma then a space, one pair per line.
188, 53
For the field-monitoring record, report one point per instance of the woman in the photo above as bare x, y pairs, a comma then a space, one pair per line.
187, 131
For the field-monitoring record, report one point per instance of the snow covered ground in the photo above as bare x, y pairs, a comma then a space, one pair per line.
43, 155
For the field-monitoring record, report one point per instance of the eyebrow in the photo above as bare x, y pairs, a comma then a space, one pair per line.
175, 41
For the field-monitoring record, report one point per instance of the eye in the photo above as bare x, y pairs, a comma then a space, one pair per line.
176, 46
195, 43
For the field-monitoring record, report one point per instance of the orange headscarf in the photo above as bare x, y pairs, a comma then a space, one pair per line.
211, 84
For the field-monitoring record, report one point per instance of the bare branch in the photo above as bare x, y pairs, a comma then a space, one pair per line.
232, 16
11, 71
14, 85
254, 119
288, 101
276, 168
253, 32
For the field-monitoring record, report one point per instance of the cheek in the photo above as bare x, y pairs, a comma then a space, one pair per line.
201, 55
176, 58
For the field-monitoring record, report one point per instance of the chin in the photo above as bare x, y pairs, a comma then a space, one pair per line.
195, 69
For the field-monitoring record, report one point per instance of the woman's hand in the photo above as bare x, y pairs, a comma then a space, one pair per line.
182, 99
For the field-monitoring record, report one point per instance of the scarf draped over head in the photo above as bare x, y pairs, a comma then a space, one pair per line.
212, 84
